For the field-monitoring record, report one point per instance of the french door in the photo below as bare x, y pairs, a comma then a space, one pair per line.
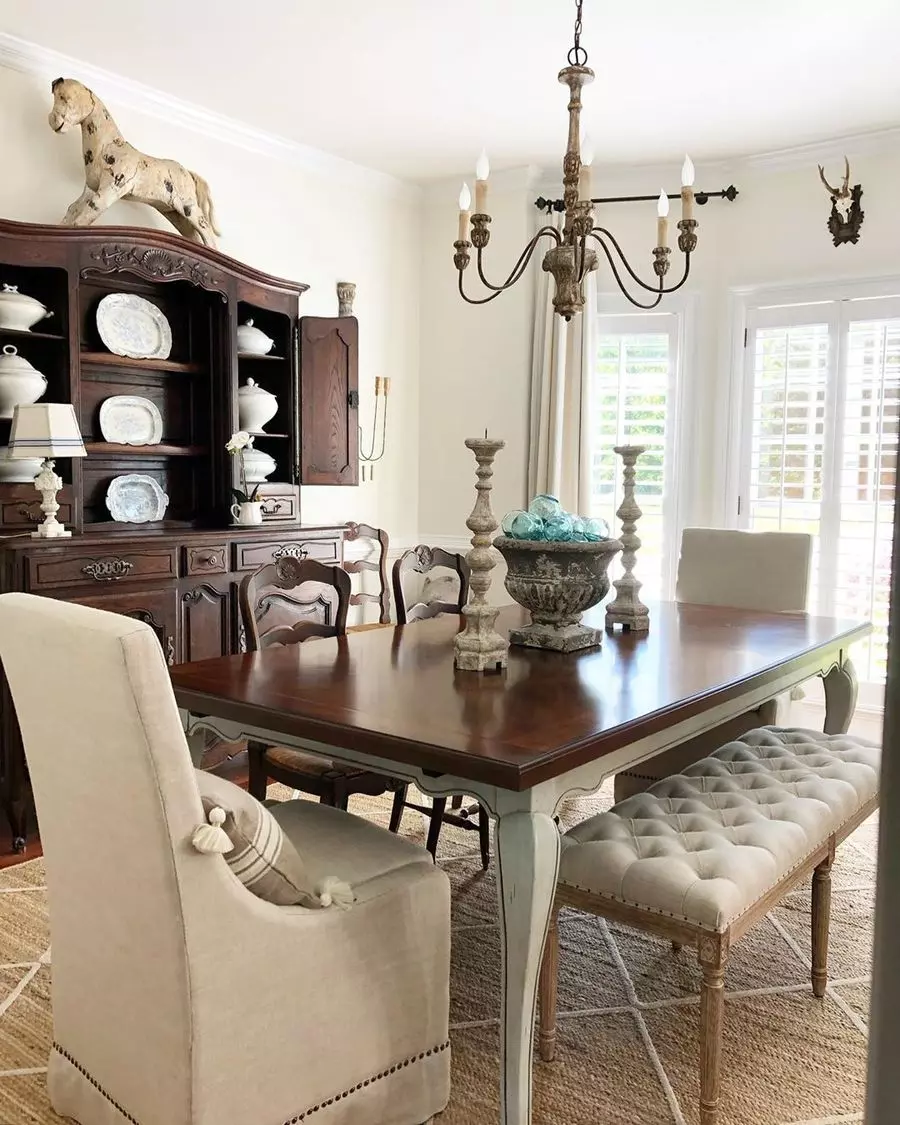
819, 443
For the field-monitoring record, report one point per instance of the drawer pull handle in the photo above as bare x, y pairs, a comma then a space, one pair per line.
107, 570
271, 507
291, 551
208, 560
32, 517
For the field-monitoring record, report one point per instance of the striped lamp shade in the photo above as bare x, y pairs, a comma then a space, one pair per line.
45, 429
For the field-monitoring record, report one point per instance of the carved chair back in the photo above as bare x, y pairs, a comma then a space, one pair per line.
273, 614
378, 564
421, 560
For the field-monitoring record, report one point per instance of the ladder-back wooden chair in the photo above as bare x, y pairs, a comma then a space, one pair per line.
289, 602
423, 560
376, 564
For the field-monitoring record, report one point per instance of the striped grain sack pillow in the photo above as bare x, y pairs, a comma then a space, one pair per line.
256, 849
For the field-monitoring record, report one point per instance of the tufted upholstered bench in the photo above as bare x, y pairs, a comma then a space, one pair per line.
700, 857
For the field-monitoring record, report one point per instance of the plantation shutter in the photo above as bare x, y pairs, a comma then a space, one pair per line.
633, 403
822, 405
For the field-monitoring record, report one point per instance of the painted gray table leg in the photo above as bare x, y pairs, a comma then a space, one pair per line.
527, 866
841, 690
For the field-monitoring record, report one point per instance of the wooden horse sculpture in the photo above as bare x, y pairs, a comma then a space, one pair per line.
114, 169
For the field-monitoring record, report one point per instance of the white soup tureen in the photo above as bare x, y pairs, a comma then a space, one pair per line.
18, 310
255, 407
252, 341
23, 470
20, 383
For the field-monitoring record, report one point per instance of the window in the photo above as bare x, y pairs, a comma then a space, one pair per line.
633, 403
819, 448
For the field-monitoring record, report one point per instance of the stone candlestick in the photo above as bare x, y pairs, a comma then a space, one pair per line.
479, 647
627, 609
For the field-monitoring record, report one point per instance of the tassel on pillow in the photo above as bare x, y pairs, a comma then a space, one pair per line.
335, 892
212, 838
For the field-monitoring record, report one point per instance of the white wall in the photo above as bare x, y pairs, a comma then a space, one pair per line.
773, 234
294, 221
475, 361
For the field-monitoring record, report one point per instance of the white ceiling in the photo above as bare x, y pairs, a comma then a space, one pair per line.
416, 87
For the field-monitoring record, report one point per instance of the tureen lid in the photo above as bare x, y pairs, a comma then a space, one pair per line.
13, 291
251, 387
12, 361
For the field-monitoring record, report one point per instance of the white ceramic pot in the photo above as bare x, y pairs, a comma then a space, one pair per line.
18, 310
20, 383
257, 465
18, 471
252, 341
247, 515
255, 407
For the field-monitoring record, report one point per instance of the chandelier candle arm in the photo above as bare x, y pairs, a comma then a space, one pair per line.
482, 171
479, 647
465, 201
687, 190
585, 186
662, 220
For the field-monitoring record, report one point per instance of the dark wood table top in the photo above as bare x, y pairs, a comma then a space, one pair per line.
394, 693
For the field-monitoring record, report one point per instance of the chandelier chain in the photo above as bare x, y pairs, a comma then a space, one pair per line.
577, 54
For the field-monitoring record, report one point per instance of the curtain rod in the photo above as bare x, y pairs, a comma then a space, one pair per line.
730, 193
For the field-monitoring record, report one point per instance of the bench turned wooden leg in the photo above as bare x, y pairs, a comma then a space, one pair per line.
547, 987
713, 953
821, 918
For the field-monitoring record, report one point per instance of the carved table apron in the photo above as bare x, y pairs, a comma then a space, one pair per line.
518, 742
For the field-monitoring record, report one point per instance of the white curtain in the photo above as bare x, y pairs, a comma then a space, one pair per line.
563, 359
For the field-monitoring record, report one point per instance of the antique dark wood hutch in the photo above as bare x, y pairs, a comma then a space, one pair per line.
180, 575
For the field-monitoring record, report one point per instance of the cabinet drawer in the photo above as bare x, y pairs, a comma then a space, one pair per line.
281, 506
210, 558
56, 567
249, 556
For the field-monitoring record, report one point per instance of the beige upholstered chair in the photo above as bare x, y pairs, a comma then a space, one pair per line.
179, 998
764, 570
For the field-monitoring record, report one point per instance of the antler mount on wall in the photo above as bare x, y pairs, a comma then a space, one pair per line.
847, 214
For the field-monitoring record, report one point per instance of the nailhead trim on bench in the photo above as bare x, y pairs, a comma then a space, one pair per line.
291, 1120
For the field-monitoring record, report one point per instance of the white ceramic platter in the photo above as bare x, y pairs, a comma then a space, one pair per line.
136, 498
130, 326
130, 420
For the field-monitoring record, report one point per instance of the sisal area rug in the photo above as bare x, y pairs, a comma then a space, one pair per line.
628, 1005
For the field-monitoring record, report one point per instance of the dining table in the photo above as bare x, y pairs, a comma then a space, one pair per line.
548, 726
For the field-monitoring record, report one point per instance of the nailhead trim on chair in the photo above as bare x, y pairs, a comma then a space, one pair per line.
291, 1120
305, 1116
93, 1081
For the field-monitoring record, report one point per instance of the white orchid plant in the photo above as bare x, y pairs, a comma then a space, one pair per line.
236, 445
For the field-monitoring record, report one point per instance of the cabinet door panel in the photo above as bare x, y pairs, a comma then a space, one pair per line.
155, 607
207, 619
329, 400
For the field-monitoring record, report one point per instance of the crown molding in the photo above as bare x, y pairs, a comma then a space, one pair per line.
818, 152
47, 64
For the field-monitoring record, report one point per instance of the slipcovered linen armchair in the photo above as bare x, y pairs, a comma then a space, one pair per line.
180, 998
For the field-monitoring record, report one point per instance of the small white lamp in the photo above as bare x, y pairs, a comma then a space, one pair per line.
48, 430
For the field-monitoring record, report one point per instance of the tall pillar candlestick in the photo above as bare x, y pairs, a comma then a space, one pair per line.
479, 647
627, 609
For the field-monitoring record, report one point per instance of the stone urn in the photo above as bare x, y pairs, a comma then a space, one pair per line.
557, 582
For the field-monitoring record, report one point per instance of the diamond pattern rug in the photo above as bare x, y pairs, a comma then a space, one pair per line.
628, 1004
